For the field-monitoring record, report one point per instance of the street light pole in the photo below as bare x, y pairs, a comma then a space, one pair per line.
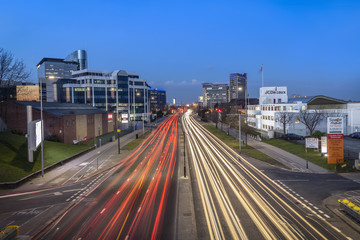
118, 133
239, 133
42, 129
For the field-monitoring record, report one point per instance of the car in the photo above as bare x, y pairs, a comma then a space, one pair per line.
293, 136
355, 135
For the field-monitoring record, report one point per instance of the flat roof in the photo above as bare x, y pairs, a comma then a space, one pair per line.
62, 109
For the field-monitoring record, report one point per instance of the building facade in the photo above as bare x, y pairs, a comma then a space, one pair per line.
237, 86
274, 102
51, 69
111, 91
67, 122
214, 93
157, 99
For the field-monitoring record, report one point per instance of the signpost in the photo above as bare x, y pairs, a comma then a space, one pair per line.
335, 140
323, 145
311, 143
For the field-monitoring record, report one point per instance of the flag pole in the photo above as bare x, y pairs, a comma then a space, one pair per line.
262, 75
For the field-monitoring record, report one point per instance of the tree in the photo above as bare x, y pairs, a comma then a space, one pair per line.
284, 118
12, 72
311, 118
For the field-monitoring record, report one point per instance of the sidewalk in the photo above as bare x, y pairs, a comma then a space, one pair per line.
290, 160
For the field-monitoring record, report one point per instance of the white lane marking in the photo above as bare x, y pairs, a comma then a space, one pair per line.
102, 211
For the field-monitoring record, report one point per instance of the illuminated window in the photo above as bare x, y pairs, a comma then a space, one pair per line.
303, 108
291, 108
297, 121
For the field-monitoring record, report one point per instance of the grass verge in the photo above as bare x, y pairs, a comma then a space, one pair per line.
299, 150
14, 163
133, 144
246, 150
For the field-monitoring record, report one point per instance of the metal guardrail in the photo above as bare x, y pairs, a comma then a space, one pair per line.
10, 232
350, 208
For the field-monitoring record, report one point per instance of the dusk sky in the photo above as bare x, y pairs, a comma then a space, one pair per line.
312, 47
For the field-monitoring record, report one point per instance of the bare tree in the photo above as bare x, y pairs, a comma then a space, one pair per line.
284, 118
12, 72
311, 118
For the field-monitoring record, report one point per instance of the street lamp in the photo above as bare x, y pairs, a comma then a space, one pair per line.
118, 133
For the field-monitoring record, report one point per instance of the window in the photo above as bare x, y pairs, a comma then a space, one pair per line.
284, 108
297, 121
291, 108
303, 108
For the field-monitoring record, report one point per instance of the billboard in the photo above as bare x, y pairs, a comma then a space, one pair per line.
335, 148
34, 134
335, 125
311, 142
124, 118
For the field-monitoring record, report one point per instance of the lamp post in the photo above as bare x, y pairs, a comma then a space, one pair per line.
42, 130
118, 133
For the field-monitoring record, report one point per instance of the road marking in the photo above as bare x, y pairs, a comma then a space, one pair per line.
102, 211
83, 164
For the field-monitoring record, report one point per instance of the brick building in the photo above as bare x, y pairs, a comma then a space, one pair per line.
67, 121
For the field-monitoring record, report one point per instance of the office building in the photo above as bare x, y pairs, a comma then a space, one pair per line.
108, 90
157, 99
214, 93
79, 56
237, 86
51, 69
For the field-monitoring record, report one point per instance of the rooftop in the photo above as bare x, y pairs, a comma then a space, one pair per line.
62, 109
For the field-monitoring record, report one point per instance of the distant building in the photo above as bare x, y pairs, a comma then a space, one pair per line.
214, 93
52, 69
157, 99
237, 86
27, 93
79, 56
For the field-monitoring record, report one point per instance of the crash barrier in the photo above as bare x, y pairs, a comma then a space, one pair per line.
350, 208
10, 232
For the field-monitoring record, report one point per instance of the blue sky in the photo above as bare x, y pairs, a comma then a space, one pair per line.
312, 47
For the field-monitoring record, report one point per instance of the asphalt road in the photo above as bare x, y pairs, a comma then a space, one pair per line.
133, 199
233, 199
131, 203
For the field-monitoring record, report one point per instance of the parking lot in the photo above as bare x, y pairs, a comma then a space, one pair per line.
351, 147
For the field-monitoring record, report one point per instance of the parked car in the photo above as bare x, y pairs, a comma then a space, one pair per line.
355, 135
293, 136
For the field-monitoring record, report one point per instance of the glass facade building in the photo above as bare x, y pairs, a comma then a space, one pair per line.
237, 86
157, 99
51, 69
111, 91
214, 93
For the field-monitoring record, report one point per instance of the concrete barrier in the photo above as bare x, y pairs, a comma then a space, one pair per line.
10, 232
349, 208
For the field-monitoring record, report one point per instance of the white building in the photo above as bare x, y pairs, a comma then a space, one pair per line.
274, 100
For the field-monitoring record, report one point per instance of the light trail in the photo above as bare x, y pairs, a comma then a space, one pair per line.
220, 171
135, 199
